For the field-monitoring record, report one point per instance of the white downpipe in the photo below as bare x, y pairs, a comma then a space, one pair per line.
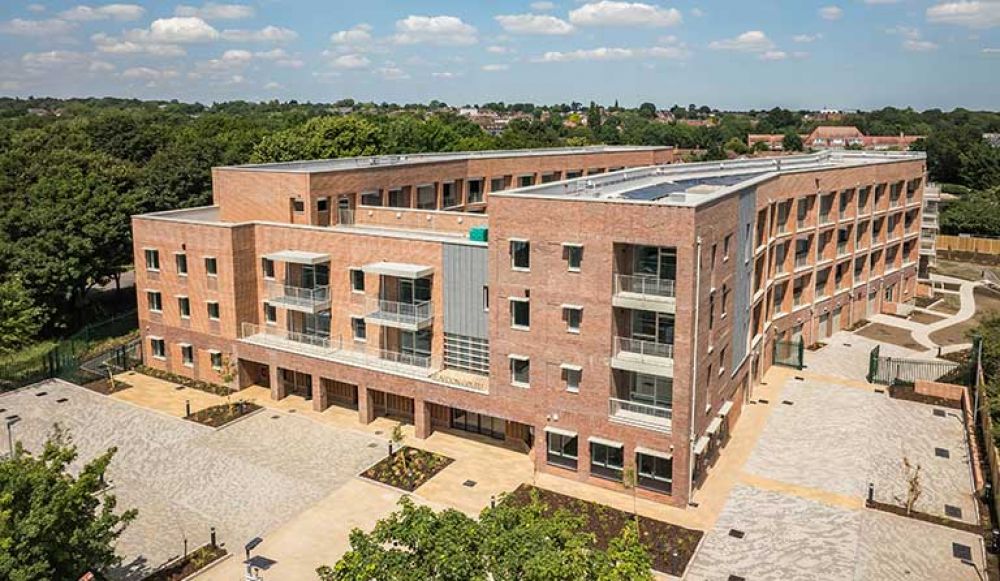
694, 366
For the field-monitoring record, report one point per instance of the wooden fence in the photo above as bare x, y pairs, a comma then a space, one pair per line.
969, 249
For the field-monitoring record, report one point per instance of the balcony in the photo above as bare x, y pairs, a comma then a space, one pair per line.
650, 293
640, 415
307, 300
641, 356
406, 316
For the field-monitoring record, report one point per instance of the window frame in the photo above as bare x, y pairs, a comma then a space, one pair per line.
218, 309
155, 254
179, 259
513, 360
212, 354
564, 459
353, 275
268, 310
159, 301
514, 254
513, 313
214, 271
568, 311
184, 304
571, 249
358, 323
186, 349
267, 268
606, 469
153, 342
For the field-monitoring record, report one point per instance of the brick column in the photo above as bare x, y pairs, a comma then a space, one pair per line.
277, 388
366, 409
422, 427
438, 195
320, 402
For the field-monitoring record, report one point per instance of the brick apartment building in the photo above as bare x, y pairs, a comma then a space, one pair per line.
838, 137
609, 311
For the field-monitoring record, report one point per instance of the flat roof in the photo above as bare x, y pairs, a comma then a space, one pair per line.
691, 184
349, 163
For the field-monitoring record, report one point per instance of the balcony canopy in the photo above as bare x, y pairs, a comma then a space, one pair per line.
398, 269
298, 257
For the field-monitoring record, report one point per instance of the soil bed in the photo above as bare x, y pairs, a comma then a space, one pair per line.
908, 392
219, 415
103, 386
420, 466
887, 334
184, 381
671, 547
187, 566
925, 318
924, 302
987, 303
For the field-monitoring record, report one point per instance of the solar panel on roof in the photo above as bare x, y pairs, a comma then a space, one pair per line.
657, 191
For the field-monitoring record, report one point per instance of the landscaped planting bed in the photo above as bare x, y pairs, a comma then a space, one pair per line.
418, 467
671, 547
184, 381
220, 415
105, 387
186, 566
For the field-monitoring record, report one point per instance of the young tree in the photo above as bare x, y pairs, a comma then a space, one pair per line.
20, 319
54, 525
630, 480
396, 436
914, 488
792, 141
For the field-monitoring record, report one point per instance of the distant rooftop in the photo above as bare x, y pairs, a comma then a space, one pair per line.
347, 163
691, 184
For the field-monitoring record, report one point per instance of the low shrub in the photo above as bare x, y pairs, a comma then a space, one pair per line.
198, 384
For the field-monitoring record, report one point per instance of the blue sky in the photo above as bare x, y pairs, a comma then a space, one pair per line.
743, 54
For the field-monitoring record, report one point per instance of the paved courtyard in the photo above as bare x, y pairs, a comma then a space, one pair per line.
184, 478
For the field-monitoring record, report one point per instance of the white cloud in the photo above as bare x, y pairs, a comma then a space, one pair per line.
805, 38
497, 49
615, 54
391, 73
358, 35
187, 29
976, 14
435, 30
267, 34
111, 45
271, 86
494, 68
100, 67
919, 45
281, 58
149, 74
773, 55
534, 24
991, 51
85, 13
543, 6
444, 75
350, 61
831, 12
53, 59
36, 8
48, 27
613, 13
697, 12
882, 1
214, 11
750, 41
912, 39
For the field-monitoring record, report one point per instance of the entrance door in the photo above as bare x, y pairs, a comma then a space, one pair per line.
872, 303
824, 326
836, 319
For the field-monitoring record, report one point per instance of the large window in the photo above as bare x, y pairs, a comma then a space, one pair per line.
267, 265
152, 259
187, 355
181, 260
520, 371
270, 313
155, 301
475, 194
573, 316
211, 266
520, 254
574, 256
606, 460
357, 280
478, 423
562, 450
184, 306
520, 313
158, 347
213, 311
654, 472
359, 329
652, 390
216, 358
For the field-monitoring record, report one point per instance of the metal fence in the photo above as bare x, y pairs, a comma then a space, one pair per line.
891, 370
790, 353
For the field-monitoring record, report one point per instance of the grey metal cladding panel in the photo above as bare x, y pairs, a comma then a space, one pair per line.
465, 273
744, 272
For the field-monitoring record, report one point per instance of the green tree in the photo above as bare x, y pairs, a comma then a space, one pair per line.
594, 117
506, 542
20, 319
323, 138
54, 525
647, 110
791, 141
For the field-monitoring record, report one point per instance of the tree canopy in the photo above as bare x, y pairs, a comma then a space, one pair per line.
54, 525
506, 542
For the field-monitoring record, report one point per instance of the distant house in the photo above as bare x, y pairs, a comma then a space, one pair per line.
839, 137
993, 139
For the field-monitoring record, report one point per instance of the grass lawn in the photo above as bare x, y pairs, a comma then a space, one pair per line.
888, 334
949, 304
987, 302
28, 353
963, 270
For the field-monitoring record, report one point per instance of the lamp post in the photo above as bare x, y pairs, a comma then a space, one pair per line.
11, 420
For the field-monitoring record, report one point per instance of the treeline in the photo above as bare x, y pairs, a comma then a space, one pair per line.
72, 172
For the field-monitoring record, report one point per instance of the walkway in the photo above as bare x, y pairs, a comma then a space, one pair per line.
921, 333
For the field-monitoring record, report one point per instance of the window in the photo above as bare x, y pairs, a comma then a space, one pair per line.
298, 206
155, 301
562, 449
357, 280
573, 315
187, 355
486, 299
711, 311
711, 258
574, 256
216, 357
725, 300
211, 266
268, 266
606, 460
182, 263
372, 199
322, 204
152, 259
213, 311
572, 375
520, 313
270, 314
359, 329
520, 254
725, 246
159, 347
475, 194
498, 184
520, 371
526, 180
184, 306
654, 472
722, 361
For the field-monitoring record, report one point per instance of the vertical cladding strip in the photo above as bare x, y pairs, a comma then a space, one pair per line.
465, 274
694, 368
743, 272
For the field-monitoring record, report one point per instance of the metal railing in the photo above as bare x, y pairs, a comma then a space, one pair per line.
623, 407
644, 348
298, 295
403, 358
248, 330
345, 217
397, 312
890, 370
645, 285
